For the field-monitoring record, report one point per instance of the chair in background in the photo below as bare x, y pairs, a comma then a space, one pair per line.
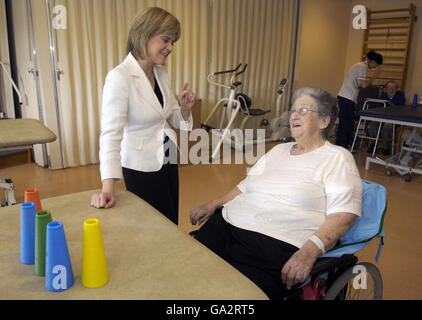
368, 99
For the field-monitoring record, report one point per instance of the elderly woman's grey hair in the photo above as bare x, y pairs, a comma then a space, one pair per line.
325, 103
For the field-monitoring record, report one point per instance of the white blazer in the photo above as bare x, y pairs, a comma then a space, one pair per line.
133, 122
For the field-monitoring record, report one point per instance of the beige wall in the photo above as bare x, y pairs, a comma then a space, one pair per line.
329, 46
323, 34
414, 73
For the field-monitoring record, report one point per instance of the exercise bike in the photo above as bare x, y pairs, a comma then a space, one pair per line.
231, 104
278, 129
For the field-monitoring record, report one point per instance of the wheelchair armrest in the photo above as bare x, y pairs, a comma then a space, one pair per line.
323, 265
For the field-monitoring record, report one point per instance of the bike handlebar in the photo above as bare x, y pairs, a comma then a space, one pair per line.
228, 71
232, 81
244, 69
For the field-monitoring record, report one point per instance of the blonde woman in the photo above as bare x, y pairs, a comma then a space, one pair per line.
136, 142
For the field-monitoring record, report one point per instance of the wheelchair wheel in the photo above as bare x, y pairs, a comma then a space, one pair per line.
360, 282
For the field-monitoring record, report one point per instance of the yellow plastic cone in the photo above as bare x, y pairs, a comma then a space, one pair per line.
94, 263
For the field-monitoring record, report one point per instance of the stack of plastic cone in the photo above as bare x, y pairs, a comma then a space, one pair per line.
94, 263
31, 195
27, 235
59, 273
42, 218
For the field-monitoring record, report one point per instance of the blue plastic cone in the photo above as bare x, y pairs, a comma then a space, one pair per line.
58, 268
415, 100
27, 235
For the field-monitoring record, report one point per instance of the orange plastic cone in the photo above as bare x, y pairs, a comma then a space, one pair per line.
31, 195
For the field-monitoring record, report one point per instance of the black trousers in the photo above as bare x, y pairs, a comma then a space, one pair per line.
344, 135
160, 189
257, 256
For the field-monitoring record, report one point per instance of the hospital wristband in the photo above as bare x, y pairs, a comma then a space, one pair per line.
318, 243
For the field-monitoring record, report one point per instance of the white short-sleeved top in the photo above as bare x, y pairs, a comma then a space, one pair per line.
351, 84
288, 197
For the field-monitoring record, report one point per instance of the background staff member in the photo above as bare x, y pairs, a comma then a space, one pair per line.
347, 97
137, 102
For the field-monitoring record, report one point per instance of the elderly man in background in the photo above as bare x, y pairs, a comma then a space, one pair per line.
393, 94
397, 98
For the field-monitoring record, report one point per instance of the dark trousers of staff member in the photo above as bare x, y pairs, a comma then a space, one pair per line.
161, 188
346, 115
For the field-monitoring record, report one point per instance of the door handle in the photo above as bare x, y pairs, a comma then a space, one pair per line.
33, 71
59, 73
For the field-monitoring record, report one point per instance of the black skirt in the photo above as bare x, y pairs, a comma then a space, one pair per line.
160, 188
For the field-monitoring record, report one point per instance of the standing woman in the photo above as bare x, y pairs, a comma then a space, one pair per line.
347, 97
136, 142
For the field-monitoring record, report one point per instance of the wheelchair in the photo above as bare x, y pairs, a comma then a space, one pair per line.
340, 278
337, 275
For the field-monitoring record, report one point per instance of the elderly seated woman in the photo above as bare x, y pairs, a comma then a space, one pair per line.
295, 203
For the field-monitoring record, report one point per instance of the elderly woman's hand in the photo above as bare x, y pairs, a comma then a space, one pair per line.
297, 268
199, 214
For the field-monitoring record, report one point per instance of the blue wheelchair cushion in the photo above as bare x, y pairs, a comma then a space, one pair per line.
368, 226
